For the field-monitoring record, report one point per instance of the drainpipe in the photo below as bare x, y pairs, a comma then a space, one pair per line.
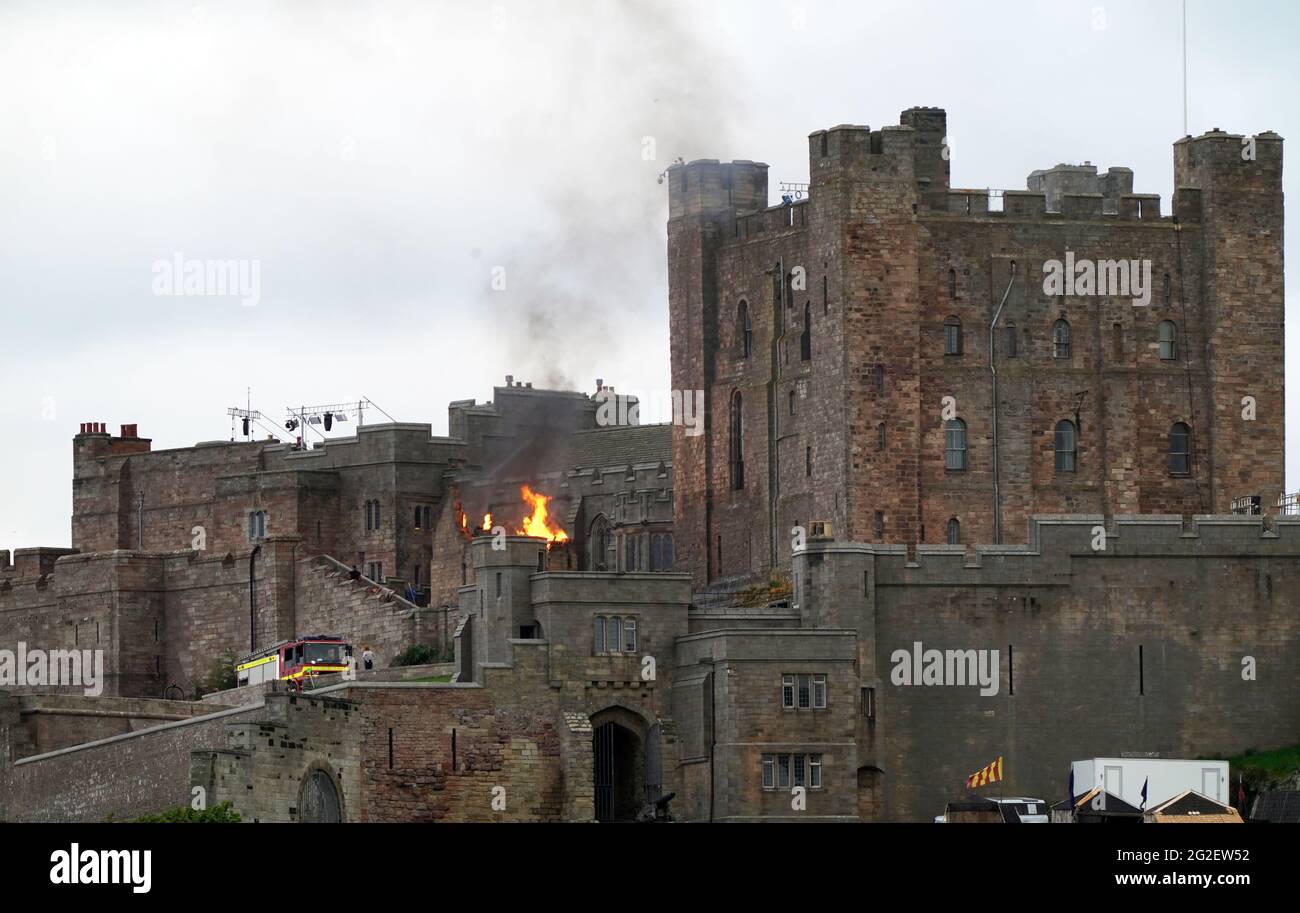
997, 493
252, 598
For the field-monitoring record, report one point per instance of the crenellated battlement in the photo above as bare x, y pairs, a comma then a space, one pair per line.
1056, 542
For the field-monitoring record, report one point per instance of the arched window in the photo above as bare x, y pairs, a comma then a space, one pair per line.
805, 339
954, 531
1180, 449
428, 517
952, 285
256, 525
1010, 341
598, 540
661, 552
370, 523
792, 397
737, 442
1168, 340
880, 436
744, 330
417, 518
1060, 339
1168, 290
955, 445
1066, 450
952, 336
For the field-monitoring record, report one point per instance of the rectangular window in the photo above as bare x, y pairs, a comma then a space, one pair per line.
783, 771
498, 584
598, 645
613, 633
815, 771
819, 692
805, 693
869, 703
800, 763
787, 691
629, 635
769, 771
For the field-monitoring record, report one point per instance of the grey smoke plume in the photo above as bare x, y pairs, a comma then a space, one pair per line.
586, 288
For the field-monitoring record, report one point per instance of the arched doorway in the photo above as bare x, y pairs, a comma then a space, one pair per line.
318, 802
621, 755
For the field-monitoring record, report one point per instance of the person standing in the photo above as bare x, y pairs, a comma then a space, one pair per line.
367, 658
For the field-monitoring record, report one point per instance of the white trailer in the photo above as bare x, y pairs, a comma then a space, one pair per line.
1165, 778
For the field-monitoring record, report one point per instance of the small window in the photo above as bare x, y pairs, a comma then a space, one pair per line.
880, 523
800, 770
498, 584
783, 771
1180, 449
1066, 449
769, 771
428, 517
613, 633
819, 692
417, 518
1060, 339
744, 330
807, 461
792, 399
954, 531
598, 630
814, 771
1168, 340
1167, 290
1010, 340
880, 436
955, 445
804, 684
805, 339
629, 635
787, 692
952, 285
869, 703
952, 336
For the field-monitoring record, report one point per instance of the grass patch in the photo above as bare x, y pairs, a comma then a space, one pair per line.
1263, 766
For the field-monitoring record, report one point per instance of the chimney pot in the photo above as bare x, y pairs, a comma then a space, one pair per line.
510, 380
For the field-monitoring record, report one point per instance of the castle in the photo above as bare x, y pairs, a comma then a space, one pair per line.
882, 354
726, 615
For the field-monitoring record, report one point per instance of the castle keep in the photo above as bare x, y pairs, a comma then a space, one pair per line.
1065, 489
827, 333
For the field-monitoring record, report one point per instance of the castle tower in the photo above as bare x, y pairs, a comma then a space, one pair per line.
704, 198
1240, 184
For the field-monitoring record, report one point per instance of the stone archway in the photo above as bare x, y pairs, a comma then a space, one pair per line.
320, 801
621, 753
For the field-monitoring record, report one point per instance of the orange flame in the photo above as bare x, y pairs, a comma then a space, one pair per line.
538, 523
464, 522
487, 521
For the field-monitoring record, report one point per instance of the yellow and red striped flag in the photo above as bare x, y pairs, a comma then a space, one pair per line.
990, 774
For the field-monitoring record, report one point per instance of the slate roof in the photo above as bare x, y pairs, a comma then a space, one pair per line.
1279, 806
620, 446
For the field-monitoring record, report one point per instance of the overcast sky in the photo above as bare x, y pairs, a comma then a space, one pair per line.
380, 163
